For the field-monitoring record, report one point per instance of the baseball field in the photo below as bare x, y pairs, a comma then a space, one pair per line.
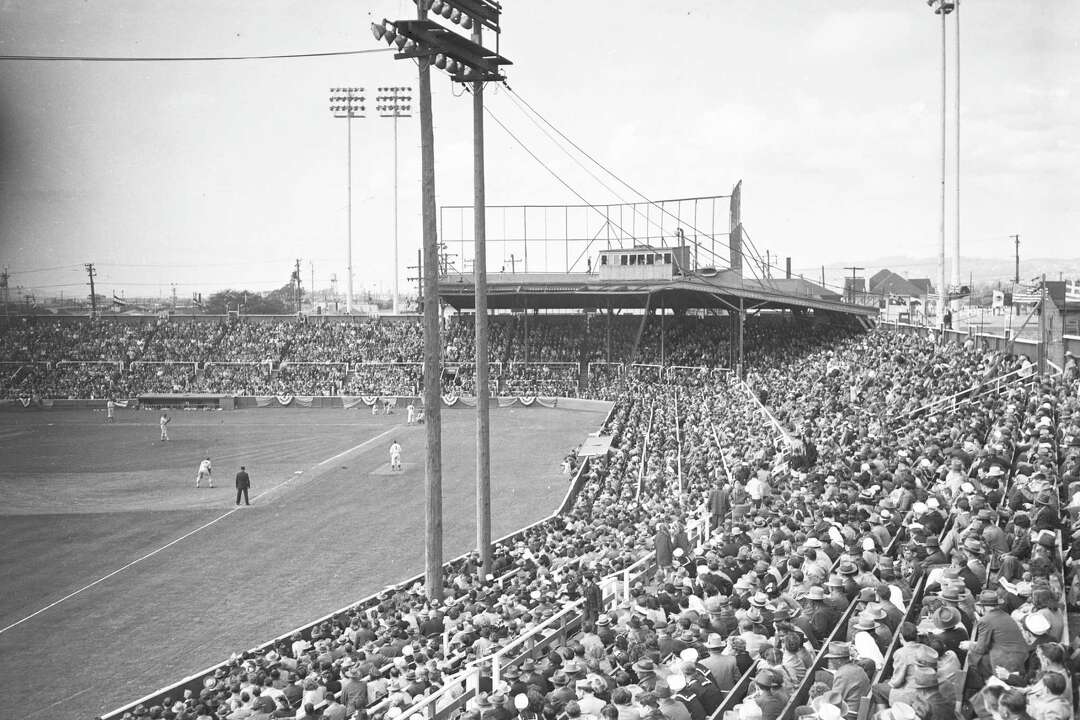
118, 576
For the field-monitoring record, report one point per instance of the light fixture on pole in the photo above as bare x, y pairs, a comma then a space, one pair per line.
395, 102
347, 103
942, 8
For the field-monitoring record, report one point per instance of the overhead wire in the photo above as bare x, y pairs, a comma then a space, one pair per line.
188, 58
612, 173
579, 163
554, 174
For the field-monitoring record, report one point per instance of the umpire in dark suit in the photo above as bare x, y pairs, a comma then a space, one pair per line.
243, 482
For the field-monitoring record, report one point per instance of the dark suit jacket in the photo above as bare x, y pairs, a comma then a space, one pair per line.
242, 480
998, 638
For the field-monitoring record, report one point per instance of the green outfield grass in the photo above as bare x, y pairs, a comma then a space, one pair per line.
329, 524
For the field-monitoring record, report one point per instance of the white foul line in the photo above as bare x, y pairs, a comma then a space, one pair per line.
182, 537
380, 436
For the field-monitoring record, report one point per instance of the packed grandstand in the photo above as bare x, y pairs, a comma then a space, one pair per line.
870, 525
550, 356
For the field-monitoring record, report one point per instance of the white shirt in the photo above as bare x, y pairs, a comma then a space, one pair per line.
204, 467
395, 450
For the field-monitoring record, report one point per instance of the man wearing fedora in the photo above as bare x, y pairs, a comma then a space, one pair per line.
847, 677
998, 640
945, 624
821, 617
722, 668
925, 696
770, 695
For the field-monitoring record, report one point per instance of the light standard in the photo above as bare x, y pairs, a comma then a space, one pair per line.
942, 8
348, 102
956, 239
395, 102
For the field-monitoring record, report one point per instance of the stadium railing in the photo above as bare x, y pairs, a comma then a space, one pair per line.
647, 372
644, 455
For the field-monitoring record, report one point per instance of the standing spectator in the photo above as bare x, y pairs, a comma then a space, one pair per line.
662, 543
243, 483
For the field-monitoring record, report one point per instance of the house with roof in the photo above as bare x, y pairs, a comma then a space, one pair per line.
886, 283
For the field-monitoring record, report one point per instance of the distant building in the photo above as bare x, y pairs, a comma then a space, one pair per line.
886, 283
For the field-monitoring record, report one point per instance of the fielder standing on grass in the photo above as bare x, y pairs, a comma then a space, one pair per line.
243, 482
164, 422
395, 455
204, 473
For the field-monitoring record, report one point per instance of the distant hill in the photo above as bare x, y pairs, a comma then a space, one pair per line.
985, 270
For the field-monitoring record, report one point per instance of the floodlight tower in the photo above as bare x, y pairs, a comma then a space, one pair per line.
395, 102
347, 103
942, 8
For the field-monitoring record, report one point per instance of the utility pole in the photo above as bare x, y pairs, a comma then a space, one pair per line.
173, 296
1016, 239
433, 575
93, 294
853, 270
1041, 348
465, 61
4, 289
296, 279
483, 436
419, 278
312, 285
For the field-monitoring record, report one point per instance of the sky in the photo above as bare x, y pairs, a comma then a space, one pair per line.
207, 175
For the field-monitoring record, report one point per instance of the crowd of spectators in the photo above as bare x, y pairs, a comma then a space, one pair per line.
368, 346
871, 523
241, 378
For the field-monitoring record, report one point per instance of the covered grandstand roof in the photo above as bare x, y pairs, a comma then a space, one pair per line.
725, 290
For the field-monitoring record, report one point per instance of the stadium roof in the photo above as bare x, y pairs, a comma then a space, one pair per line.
565, 291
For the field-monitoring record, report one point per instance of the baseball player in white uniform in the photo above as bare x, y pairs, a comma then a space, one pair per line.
395, 455
204, 473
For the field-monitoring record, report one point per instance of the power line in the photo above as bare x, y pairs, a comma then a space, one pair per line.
189, 58
576, 160
553, 173
607, 170
48, 269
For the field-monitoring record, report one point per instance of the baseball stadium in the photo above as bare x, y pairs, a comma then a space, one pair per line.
601, 459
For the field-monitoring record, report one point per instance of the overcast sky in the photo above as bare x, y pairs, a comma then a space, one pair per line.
214, 174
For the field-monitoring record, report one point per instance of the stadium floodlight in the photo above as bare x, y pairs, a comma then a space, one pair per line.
943, 8
348, 103
395, 102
